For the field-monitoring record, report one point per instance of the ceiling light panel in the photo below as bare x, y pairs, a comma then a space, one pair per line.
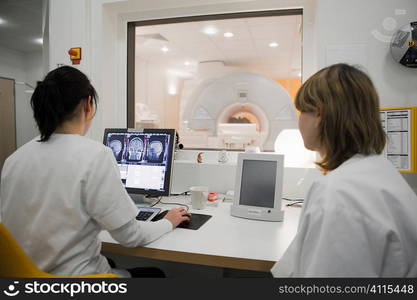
210, 30
198, 41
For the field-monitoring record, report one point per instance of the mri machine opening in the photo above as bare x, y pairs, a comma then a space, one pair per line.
234, 109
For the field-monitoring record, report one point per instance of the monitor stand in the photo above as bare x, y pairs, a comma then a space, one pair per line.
138, 198
142, 199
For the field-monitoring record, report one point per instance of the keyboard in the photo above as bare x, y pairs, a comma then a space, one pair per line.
144, 215
160, 216
147, 213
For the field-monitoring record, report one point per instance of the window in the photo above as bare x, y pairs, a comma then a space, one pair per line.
224, 81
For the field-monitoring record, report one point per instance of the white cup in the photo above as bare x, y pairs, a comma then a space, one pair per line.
199, 196
252, 149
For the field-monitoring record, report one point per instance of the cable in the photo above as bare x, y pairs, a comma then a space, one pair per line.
295, 203
292, 200
159, 200
175, 203
181, 194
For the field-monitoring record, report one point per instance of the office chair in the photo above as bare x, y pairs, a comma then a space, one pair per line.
15, 263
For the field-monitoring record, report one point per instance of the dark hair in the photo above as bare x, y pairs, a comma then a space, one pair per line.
57, 97
348, 104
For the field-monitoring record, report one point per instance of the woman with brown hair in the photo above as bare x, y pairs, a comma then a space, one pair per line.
360, 218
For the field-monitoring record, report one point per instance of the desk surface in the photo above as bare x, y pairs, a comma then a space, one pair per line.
223, 241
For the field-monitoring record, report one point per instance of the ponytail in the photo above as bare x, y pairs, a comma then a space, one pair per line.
57, 97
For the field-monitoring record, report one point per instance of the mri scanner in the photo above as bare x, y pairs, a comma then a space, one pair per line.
226, 107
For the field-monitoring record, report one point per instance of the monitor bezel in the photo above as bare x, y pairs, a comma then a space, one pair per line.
264, 213
170, 159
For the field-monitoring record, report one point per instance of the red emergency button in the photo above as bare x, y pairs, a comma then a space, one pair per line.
75, 55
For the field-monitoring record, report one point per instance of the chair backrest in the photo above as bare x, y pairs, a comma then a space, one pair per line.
13, 260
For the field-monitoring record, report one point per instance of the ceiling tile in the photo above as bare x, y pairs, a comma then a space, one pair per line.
248, 48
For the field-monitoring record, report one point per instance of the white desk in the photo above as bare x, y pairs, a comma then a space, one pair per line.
223, 241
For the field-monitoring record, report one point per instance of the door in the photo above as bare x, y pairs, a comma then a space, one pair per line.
7, 119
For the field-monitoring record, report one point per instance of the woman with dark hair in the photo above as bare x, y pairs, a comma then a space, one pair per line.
61, 189
360, 219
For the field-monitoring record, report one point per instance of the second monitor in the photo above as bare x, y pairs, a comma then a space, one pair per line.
144, 158
258, 187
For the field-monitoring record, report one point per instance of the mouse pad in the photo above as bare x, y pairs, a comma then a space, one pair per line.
197, 220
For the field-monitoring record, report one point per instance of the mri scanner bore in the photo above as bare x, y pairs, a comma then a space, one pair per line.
234, 110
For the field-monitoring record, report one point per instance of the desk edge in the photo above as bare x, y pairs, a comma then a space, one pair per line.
191, 258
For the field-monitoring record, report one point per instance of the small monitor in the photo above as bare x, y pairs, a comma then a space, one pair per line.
258, 187
144, 157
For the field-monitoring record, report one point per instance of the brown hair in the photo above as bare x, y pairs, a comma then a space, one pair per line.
348, 104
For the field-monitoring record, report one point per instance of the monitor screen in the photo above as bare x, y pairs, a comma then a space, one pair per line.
258, 183
144, 158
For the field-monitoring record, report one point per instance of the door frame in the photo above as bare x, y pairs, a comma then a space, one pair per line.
14, 113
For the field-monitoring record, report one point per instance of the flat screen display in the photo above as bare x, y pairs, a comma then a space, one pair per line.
258, 183
143, 158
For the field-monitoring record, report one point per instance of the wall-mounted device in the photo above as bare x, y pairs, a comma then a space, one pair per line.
258, 187
404, 45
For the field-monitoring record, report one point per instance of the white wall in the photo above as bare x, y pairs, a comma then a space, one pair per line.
34, 67
70, 25
22, 67
34, 73
346, 23
12, 63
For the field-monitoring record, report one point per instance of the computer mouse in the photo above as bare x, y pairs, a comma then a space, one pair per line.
186, 222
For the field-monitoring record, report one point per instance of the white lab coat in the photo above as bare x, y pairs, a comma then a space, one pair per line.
57, 196
360, 220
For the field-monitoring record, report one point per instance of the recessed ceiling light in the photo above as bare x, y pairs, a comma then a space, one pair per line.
2, 21
39, 41
172, 90
187, 63
164, 49
273, 44
228, 34
210, 30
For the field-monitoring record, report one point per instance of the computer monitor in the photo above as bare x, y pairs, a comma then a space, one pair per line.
144, 157
258, 187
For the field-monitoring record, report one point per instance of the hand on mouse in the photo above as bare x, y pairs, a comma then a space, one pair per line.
176, 216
